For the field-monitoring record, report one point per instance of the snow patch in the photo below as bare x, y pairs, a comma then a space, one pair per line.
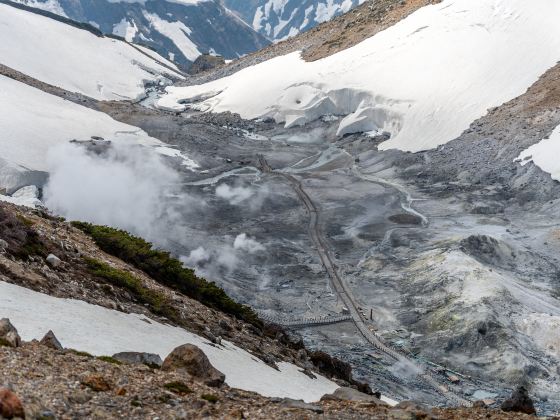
102, 331
544, 154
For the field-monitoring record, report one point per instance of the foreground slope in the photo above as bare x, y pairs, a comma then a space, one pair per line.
74, 59
397, 81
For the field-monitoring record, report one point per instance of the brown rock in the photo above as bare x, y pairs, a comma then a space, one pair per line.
416, 410
97, 383
50, 340
193, 360
519, 402
8, 334
10, 405
350, 394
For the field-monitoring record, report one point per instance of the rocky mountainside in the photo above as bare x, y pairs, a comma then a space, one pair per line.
69, 381
278, 20
180, 31
364, 215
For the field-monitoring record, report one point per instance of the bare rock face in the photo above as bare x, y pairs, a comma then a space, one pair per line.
10, 405
193, 360
519, 402
51, 341
8, 334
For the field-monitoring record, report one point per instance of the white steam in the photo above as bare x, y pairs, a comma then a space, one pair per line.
244, 243
225, 257
125, 187
237, 195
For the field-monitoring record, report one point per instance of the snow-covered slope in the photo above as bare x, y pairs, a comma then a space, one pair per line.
32, 122
280, 19
101, 331
545, 154
74, 59
424, 80
180, 30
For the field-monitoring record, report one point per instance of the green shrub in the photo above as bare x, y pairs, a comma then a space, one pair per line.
110, 359
157, 302
165, 269
81, 353
178, 388
210, 398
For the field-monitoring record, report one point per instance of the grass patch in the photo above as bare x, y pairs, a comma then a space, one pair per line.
166, 270
210, 398
25, 220
81, 353
178, 388
109, 359
4, 343
157, 302
23, 241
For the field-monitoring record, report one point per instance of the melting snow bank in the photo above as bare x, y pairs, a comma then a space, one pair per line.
33, 122
423, 80
101, 331
26, 196
74, 59
544, 154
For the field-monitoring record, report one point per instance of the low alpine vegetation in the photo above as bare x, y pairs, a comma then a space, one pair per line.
157, 302
163, 268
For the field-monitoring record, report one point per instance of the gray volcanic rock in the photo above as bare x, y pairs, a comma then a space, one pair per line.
134, 358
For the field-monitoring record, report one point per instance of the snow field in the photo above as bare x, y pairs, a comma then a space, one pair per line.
74, 59
424, 80
101, 331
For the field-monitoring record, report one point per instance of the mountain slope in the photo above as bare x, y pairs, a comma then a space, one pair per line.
282, 19
74, 59
178, 30
396, 81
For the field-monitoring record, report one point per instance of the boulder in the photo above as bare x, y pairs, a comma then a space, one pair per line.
134, 358
411, 410
350, 394
8, 334
97, 383
191, 359
3, 245
50, 340
519, 402
53, 260
290, 403
10, 405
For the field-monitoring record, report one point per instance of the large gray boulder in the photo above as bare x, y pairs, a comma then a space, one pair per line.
134, 358
350, 394
8, 334
191, 359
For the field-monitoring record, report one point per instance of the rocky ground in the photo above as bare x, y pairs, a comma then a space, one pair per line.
454, 249
48, 384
